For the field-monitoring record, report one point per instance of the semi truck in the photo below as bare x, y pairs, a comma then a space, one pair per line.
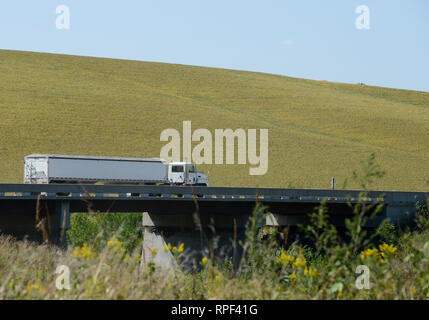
55, 168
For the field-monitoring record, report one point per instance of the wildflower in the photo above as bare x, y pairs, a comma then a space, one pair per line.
174, 249
382, 253
204, 261
387, 249
153, 251
84, 252
115, 244
181, 248
292, 277
285, 258
340, 294
369, 253
310, 272
169, 246
300, 262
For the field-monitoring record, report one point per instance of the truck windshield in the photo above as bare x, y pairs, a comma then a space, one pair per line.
177, 169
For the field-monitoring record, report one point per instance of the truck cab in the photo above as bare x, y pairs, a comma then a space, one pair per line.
185, 173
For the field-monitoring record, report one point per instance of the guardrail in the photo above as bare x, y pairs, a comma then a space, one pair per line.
130, 192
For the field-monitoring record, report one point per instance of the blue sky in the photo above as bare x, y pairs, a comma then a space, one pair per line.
305, 39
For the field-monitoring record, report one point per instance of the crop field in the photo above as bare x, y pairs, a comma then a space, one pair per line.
317, 129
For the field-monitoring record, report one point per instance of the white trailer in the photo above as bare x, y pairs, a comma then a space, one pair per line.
54, 168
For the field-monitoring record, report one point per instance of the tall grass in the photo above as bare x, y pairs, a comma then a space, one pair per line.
27, 271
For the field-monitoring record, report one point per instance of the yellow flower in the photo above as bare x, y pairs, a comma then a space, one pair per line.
292, 277
285, 258
300, 262
153, 251
382, 253
387, 249
204, 261
76, 252
181, 247
174, 249
310, 272
115, 244
369, 253
340, 294
169, 246
84, 252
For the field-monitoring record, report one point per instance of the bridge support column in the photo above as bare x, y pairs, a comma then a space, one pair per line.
402, 207
400, 214
60, 223
286, 225
215, 236
281, 220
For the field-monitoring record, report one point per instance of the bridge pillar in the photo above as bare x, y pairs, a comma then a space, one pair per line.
215, 236
400, 214
60, 223
282, 220
286, 225
402, 207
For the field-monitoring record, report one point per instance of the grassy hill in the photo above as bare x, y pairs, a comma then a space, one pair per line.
80, 105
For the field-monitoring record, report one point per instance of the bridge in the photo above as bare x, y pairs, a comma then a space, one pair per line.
196, 216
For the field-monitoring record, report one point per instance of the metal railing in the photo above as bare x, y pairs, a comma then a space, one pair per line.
132, 192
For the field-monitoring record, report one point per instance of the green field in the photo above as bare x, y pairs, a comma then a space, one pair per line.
317, 129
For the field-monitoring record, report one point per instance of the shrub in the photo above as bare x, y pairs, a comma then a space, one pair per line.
97, 229
387, 232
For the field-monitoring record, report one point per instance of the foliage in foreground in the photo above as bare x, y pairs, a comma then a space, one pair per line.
96, 229
27, 271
